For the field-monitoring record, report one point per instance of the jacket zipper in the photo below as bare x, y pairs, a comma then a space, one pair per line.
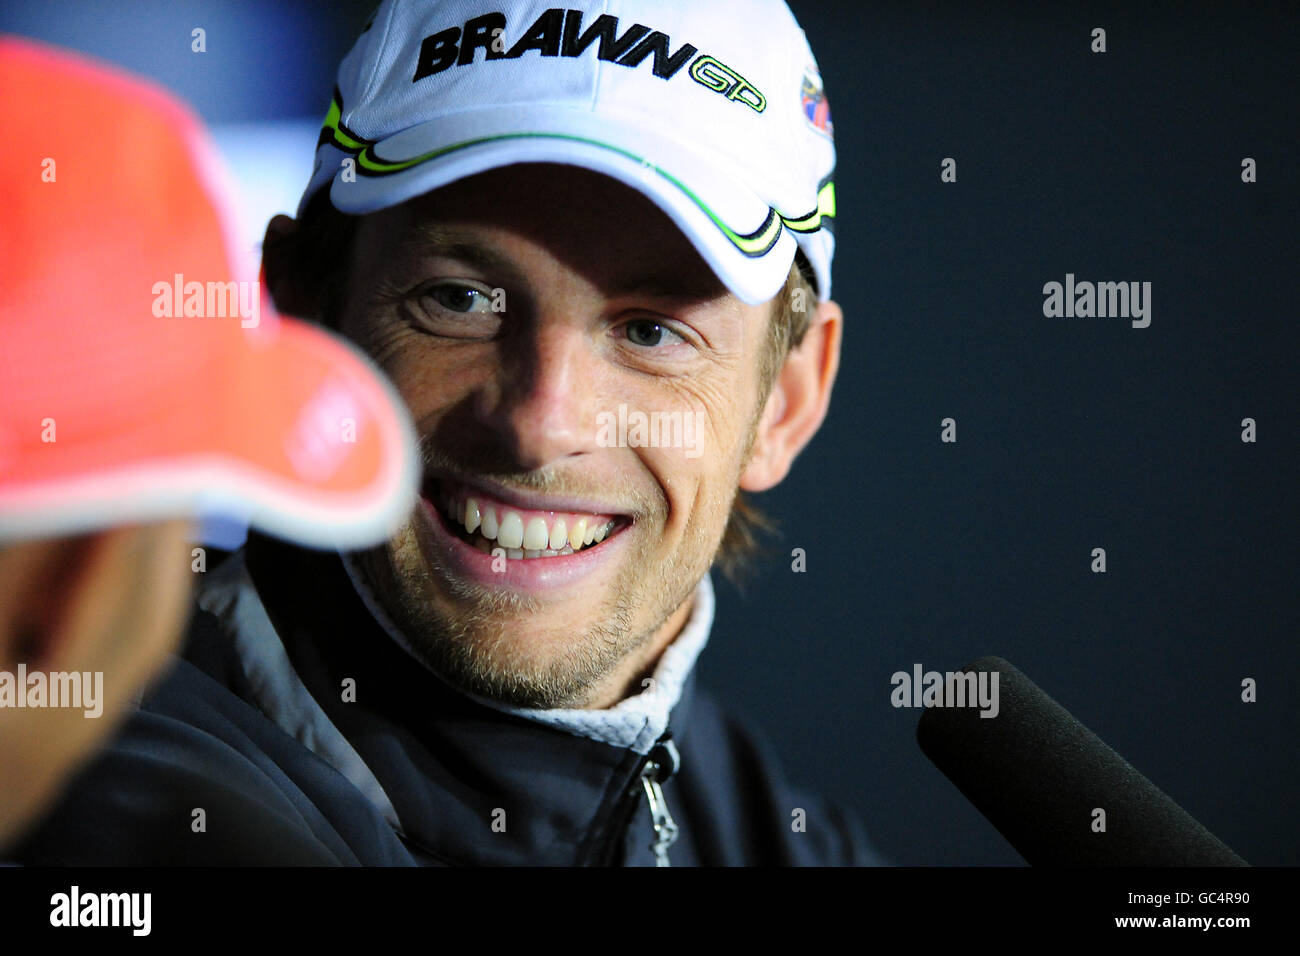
653, 769
663, 763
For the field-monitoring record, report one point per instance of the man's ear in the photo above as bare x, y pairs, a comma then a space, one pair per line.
291, 294
797, 406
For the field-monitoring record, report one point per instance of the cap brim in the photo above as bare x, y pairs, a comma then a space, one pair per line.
740, 237
285, 427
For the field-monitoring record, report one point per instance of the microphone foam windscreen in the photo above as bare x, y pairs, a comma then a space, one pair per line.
1041, 777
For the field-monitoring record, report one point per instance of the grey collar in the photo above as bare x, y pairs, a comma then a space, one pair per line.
634, 723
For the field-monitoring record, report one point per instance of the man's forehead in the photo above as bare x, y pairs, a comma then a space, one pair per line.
592, 222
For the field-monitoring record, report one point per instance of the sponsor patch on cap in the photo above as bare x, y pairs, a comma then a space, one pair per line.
816, 108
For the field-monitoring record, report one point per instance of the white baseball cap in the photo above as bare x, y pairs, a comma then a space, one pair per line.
715, 111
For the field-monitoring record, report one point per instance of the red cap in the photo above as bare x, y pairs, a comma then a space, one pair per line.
141, 376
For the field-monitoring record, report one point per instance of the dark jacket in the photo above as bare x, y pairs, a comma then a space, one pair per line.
411, 771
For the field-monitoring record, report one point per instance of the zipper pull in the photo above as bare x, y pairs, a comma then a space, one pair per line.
663, 763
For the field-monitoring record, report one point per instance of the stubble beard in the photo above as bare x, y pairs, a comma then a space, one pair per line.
482, 644
481, 647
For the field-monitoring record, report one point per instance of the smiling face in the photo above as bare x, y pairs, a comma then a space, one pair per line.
598, 547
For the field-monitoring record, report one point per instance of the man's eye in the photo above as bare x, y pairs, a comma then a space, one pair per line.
460, 298
648, 333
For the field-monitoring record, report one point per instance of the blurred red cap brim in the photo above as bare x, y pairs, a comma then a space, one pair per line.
141, 375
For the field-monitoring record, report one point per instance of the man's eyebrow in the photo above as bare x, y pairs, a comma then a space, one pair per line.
656, 288
436, 239
683, 287
432, 238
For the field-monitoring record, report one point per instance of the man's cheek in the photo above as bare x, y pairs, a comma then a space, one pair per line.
432, 379
691, 488
425, 389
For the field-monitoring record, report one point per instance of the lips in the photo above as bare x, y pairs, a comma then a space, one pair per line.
524, 526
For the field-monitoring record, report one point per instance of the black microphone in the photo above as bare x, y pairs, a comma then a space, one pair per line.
1040, 777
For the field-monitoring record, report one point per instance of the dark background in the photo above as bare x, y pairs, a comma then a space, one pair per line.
1073, 433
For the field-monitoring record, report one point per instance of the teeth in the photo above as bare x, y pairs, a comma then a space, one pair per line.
490, 527
511, 533
535, 537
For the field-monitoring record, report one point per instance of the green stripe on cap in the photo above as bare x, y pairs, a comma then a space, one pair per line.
754, 244
825, 209
338, 135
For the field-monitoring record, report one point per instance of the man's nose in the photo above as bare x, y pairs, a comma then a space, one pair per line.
543, 410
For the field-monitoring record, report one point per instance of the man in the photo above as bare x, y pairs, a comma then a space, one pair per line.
120, 421
556, 230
